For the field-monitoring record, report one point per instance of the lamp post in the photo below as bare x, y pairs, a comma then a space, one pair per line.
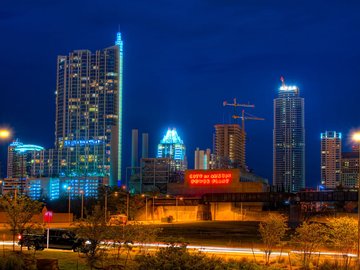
153, 207
127, 201
105, 203
146, 207
82, 203
356, 138
177, 198
68, 189
4, 135
177, 204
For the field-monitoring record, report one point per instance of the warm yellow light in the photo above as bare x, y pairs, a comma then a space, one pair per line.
356, 137
4, 134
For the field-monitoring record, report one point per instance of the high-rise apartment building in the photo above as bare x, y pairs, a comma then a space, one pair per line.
330, 159
289, 139
173, 147
229, 147
350, 169
88, 127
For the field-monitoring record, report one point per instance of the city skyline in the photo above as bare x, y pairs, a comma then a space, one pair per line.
200, 66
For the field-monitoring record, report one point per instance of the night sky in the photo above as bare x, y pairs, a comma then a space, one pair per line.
182, 60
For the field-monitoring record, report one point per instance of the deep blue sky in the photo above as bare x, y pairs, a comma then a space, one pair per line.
183, 59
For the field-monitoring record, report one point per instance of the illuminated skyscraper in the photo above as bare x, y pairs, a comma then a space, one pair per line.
330, 159
88, 129
229, 147
289, 139
173, 147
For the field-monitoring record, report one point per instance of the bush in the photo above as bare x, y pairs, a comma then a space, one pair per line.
174, 257
15, 262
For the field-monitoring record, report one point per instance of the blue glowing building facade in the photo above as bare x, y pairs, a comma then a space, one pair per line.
25, 160
88, 127
289, 139
173, 147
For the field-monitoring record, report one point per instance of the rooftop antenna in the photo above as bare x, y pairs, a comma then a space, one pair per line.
282, 79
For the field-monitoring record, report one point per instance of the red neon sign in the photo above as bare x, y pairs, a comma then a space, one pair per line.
210, 178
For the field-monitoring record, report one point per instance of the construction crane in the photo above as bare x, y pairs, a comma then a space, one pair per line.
243, 117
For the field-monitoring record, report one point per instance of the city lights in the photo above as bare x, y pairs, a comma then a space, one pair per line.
356, 137
5, 133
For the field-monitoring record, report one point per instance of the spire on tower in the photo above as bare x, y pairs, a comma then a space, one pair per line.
282, 79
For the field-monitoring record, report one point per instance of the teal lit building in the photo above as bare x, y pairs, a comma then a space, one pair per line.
25, 160
88, 127
173, 147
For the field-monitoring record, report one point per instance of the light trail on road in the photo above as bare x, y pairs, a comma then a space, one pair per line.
217, 249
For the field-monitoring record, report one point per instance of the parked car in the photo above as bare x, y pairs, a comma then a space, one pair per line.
58, 238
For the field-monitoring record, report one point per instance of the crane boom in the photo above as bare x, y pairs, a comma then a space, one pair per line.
235, 104
242, 116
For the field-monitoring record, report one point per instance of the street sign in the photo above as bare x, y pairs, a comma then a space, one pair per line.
48, 216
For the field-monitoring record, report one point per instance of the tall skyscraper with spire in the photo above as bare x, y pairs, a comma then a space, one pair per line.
88, 127
289, 139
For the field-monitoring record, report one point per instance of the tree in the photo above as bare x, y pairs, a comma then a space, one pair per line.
20, 210
344, 233
124, 236
272, 230
309, 237
178, 257
95, 230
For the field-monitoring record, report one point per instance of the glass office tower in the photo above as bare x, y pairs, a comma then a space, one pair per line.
289, 140
89, 113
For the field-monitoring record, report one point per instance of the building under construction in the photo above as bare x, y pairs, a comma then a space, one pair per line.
230, 140
229, 146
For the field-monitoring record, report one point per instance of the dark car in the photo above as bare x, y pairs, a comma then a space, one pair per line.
58, 238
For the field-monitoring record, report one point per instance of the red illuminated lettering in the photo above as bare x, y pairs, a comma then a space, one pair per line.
210, 178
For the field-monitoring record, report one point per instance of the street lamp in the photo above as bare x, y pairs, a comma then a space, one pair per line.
146, 207
68, 189
5, 134
82, 203
127, 201
105, 203
153, 207
356, 138
176, 198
